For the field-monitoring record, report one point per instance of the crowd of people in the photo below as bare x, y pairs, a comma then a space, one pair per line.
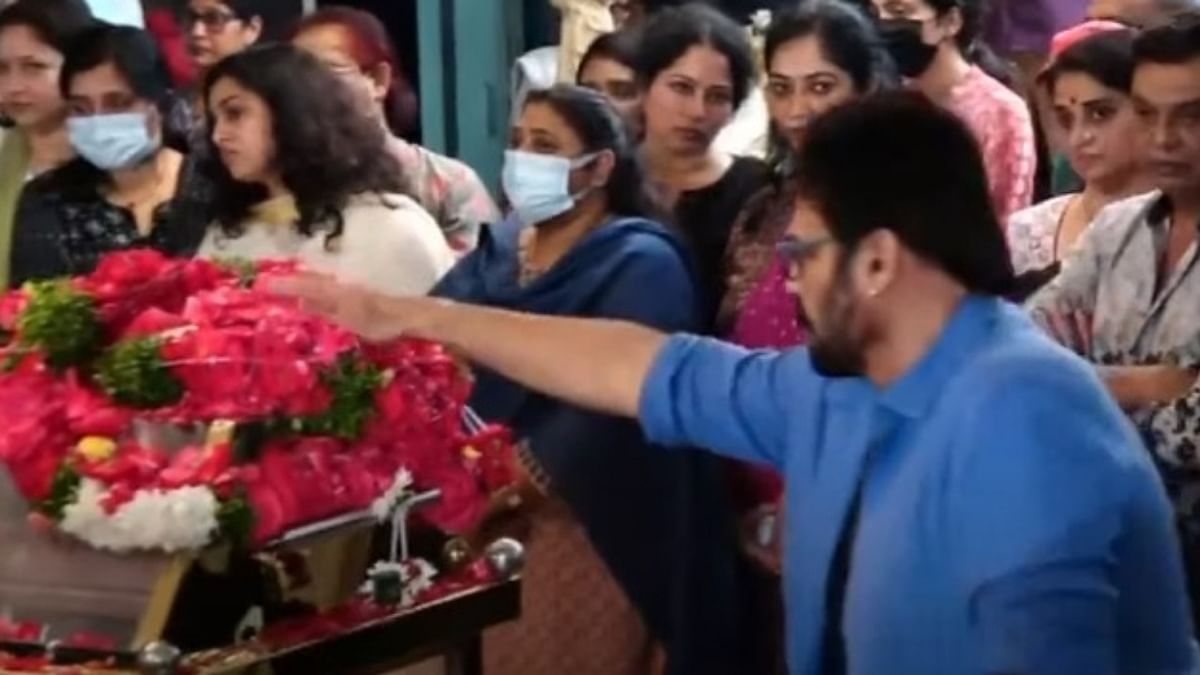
912, 467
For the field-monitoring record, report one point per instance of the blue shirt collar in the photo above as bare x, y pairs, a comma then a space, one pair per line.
912, 395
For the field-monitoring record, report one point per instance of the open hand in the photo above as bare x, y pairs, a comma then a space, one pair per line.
372, 315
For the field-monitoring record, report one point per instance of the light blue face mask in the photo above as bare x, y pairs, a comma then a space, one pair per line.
112, 142
538, 186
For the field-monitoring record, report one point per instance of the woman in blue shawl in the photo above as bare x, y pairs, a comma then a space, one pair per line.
632, 553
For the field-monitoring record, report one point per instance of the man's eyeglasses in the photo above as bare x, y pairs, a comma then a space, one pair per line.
212, 20
795, 251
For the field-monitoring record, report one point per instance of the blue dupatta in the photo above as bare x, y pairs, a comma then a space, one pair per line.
660, 519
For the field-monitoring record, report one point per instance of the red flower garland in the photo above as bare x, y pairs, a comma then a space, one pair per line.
245, 356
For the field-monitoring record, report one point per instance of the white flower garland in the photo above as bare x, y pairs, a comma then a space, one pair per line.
416, 577
184, 519
385, 504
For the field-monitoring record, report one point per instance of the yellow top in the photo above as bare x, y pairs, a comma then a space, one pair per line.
277, 212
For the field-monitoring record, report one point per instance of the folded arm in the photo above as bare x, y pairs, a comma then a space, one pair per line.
1139, 388
1064, 308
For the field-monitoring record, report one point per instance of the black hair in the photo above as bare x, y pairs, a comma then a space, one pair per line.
1174, 42
620, 46
327, 148
672, 31
847, 37
133, 52
600, 127
135, 55
246, 10
972, 12
1106, 57
55, 22
936, 203
969, 38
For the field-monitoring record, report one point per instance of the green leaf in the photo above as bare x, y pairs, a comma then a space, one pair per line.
250, 437
63, 492
244, 268
353, 382
61, 322
236, 521
12, 360
134, 373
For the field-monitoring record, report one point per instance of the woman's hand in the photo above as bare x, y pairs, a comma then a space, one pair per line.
1070, 328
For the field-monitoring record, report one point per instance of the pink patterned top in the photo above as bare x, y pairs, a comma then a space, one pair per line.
758, 311
449, 190
1000, 120
768, 318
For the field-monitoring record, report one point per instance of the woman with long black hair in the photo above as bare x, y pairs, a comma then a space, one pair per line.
317, 187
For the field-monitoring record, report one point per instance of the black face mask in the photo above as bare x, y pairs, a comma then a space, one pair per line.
902, 37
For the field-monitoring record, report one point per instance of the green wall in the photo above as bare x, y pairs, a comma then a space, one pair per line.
466, 51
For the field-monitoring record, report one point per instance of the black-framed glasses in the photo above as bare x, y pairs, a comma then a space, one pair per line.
213, 20
795, 250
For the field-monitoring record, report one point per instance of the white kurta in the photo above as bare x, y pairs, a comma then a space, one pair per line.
388, 244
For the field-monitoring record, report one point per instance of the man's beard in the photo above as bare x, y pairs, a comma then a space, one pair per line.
836, 351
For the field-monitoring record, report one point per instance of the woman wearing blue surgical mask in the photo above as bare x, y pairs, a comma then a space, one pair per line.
631, 551
124, 189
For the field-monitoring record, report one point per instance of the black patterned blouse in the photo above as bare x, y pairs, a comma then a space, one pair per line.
64, 229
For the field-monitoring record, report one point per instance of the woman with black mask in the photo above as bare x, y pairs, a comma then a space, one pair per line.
936, 48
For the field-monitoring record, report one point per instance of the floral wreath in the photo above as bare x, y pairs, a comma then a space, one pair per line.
163, 405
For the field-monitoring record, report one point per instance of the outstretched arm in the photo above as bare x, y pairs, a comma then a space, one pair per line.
686, 391
600, 365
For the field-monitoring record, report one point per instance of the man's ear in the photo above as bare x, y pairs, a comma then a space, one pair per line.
877, 263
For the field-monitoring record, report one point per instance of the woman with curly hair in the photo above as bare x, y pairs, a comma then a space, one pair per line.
301, 171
